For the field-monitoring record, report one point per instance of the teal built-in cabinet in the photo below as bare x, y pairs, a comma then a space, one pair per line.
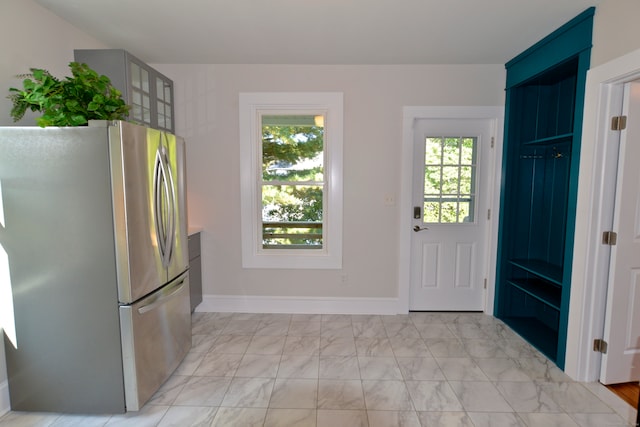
543, 123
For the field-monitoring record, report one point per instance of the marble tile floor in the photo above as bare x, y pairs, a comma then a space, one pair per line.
421, 369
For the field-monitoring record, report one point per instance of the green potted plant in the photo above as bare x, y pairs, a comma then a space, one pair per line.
72, 101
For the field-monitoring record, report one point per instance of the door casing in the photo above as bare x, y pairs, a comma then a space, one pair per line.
619, 362
410, 116
596, 190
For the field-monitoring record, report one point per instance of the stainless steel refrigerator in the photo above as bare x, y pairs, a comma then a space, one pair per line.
93, 225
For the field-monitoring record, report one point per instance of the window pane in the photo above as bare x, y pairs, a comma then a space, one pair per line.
451, 151
292, 148
292, 216
144, 77
136, 98
135, 76
136, 112
465, 212
449, 183
159, 89
468, 151
431, 212
432, 180
433, 151
450, 179
466, 178
164, 115
449, 212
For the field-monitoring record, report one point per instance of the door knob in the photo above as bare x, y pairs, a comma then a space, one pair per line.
418, 228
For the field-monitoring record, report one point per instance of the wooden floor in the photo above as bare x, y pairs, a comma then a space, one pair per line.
627, 391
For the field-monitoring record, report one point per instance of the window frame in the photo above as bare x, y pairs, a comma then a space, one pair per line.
252, 105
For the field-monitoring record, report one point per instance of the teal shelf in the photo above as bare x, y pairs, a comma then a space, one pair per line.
540, 290
550, 272
550, 140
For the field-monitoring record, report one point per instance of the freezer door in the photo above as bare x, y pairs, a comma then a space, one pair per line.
156, 335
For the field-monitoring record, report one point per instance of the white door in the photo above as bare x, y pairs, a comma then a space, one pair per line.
621, 362
450, 214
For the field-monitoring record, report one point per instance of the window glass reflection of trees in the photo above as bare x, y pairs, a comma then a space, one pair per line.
449, 179
292, 182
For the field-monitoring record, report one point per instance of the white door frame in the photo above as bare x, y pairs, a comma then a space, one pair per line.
409, 117
596, 190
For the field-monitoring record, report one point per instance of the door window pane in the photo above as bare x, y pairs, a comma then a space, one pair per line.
449, 179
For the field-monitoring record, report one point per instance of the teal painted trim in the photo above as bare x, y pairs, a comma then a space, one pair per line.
569, 40
572, 203
498, 305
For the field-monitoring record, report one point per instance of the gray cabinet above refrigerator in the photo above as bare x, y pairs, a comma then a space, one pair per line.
146, 90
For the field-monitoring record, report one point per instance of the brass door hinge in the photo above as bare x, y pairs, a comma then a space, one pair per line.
619, 123
609, 238
600, 346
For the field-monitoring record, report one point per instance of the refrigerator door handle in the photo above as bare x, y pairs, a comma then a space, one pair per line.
164, 194
171, 208
158, 208
167, 215
160, 299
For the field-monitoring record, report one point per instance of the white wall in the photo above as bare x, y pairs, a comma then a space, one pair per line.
31, 36
615, 30
207, 116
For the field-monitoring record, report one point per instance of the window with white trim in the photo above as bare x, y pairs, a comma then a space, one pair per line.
291, 179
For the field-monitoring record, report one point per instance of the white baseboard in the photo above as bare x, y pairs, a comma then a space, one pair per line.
310, 305
5, 404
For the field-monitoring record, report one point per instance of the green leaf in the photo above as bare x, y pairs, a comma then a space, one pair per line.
68, 102
78, 120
